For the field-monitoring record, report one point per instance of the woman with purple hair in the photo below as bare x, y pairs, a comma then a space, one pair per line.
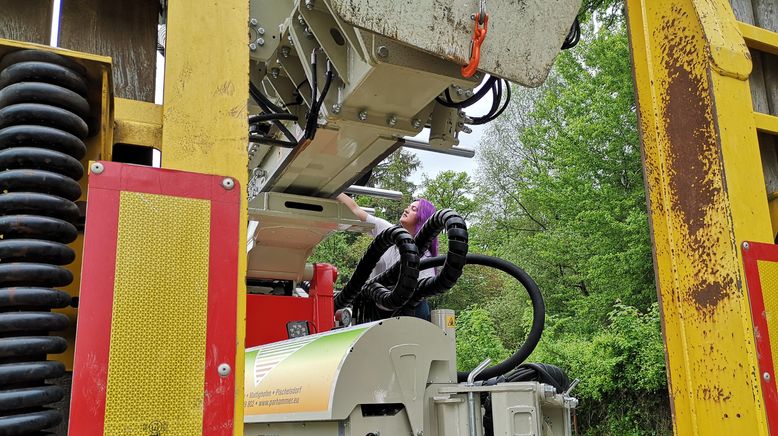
413, 218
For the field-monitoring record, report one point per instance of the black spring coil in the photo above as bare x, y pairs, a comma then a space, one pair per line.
43, 109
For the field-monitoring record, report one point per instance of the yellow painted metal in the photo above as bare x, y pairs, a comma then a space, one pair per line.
706, 194
725, 48
768, 278
138, 123
760, 39
773, 205
205, 125
100, 95
766, 123
158, 327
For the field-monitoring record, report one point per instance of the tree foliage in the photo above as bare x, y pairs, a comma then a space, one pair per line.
477, 339
561, 175
452, 190
394, 173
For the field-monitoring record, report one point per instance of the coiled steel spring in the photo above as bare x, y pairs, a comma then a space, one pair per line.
43, 113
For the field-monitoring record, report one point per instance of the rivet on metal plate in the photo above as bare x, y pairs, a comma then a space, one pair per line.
224, 370
228, 183
96, 168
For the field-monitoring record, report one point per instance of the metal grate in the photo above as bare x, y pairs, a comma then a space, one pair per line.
768, 276
158, 332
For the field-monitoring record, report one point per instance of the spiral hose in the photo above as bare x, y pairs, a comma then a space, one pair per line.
43, 112
408, 268
454, 262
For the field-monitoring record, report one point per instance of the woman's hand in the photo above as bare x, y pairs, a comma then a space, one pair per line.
353, 206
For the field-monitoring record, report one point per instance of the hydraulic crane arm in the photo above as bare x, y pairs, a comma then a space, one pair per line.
339, 84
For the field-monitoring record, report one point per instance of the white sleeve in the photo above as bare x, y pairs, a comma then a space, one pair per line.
429, 272
379, 224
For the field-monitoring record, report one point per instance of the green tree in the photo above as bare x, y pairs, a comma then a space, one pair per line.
621, 368
394, 173
561, 176
477, 339
572, 207
450, 189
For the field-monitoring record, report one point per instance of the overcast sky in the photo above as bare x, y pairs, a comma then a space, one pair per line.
434, 163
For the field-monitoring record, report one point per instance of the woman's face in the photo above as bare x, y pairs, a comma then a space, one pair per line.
408, 218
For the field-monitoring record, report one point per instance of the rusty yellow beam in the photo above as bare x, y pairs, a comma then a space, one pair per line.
759, 39
138, 123
706, 195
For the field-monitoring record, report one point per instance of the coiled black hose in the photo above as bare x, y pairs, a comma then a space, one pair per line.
43, 112
373, 301
456, 230
538, 310
408, 267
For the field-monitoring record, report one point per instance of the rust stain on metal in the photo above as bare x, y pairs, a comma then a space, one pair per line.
696, 191
715, 393
708, 295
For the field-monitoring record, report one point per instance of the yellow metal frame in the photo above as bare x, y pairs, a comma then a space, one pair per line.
202, 124
706, 196
138, 123
204, 114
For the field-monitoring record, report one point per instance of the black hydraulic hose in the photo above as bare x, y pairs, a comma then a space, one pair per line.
538, 311
271, 109
408, 267
573, 36
262, 100
455, 258
449, 102
494, 112
496, 99
327, 82
542, 372
253, 119
507, 100
456, 230
260, 139
313, 116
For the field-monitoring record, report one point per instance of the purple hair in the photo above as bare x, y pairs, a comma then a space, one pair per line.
423, 213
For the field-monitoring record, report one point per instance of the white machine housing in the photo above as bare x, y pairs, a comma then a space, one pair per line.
390, 377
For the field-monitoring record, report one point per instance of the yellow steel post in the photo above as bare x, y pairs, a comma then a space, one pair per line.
706, 195
204, 122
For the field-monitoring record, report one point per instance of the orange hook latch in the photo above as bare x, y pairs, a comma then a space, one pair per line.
479, 34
